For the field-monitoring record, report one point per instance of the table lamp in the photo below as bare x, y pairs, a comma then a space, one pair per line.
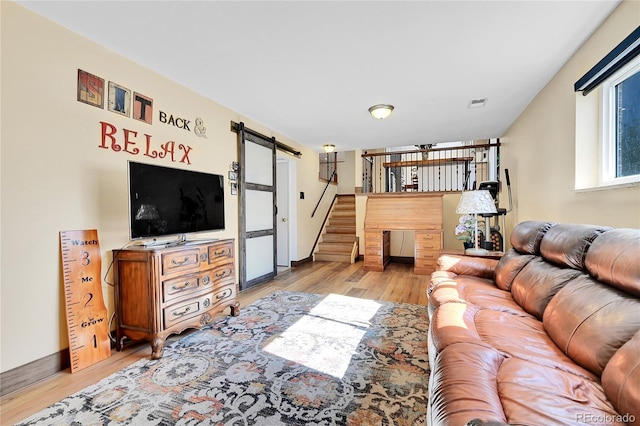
475, 202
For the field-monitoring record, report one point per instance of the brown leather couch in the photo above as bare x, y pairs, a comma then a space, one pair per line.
547, 335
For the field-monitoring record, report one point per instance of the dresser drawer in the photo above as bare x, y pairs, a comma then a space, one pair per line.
428, 240
424, 266
187, 285
185, 310
181, 261
427, 255
373, 239
220, 253
182, 286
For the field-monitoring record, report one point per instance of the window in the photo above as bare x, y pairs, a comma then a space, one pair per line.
620, 141
328, 163
608, 119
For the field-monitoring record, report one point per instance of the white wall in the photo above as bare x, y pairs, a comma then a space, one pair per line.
56, 177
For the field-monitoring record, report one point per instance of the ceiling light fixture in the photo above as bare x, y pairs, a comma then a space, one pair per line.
381, 111
329, 147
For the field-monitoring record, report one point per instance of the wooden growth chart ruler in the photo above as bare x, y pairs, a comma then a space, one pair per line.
87, 321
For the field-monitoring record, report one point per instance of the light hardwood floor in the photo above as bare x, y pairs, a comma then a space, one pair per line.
396, 284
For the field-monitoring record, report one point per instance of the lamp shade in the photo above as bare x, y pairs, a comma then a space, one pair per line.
476, 202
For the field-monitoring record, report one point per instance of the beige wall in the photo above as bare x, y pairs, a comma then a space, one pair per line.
55, 177
539, 148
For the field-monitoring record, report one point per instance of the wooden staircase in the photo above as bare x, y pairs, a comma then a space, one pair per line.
339, 242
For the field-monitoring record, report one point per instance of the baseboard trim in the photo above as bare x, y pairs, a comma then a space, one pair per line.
28, 374
296, 263
402, 259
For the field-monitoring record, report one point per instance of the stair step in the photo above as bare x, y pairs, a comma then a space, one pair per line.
345, 206
341, 229
335, 247
325, 257
344, 213
338, 238
340, 221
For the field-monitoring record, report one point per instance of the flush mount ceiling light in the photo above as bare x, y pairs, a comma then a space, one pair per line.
329, 147
477, 103
381, 111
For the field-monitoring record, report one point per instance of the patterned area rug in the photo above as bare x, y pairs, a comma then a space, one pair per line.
287, 359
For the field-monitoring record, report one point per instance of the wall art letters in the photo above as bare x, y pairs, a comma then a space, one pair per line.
142, 108
119, 99
90, 89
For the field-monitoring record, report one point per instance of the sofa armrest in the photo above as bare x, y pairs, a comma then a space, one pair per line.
481, 267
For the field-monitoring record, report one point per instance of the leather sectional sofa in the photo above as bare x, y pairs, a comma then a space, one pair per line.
549, 334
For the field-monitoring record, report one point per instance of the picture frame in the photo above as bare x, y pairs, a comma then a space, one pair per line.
90, 89
234, 188
119, 99
233, 176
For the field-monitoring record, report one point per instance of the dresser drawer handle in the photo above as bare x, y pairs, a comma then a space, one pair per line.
205, 279
179, 314
222, 274
223, 252
223, 295
178, 263
184, 286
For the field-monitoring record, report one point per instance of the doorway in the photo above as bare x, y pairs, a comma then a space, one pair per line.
286, 218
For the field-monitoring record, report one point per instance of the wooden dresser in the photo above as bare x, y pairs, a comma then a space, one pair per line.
163, 291
419, 212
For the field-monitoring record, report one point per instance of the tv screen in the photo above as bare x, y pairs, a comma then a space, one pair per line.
168, 201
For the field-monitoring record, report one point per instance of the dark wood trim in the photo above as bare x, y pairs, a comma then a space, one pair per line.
33, 372
401, 259
296, 263
279, 145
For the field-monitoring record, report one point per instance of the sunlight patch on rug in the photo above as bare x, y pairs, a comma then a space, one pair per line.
287, 359
328, 337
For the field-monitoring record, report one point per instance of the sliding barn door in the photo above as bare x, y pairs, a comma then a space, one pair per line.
257, 192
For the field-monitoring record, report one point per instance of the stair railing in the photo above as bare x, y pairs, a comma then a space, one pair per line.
325, 190
315, 243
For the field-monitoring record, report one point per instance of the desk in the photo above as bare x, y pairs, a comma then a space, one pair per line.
419, 212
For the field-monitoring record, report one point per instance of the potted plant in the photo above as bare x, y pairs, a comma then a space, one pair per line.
465, 230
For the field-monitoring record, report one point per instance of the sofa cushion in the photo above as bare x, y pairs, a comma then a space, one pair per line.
614, 259
467, 265
518, 336
533, 394
567, 244
526, 236
463, 385
621, 378
509, 266
590, 321
537, 283
476, 291
471, 381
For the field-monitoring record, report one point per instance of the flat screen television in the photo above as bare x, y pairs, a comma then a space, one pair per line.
165, 201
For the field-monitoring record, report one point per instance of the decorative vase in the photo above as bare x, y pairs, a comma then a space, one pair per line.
467, 244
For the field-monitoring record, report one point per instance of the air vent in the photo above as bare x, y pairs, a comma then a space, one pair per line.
477, 103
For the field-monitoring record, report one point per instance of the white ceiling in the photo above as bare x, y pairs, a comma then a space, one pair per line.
310, 70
